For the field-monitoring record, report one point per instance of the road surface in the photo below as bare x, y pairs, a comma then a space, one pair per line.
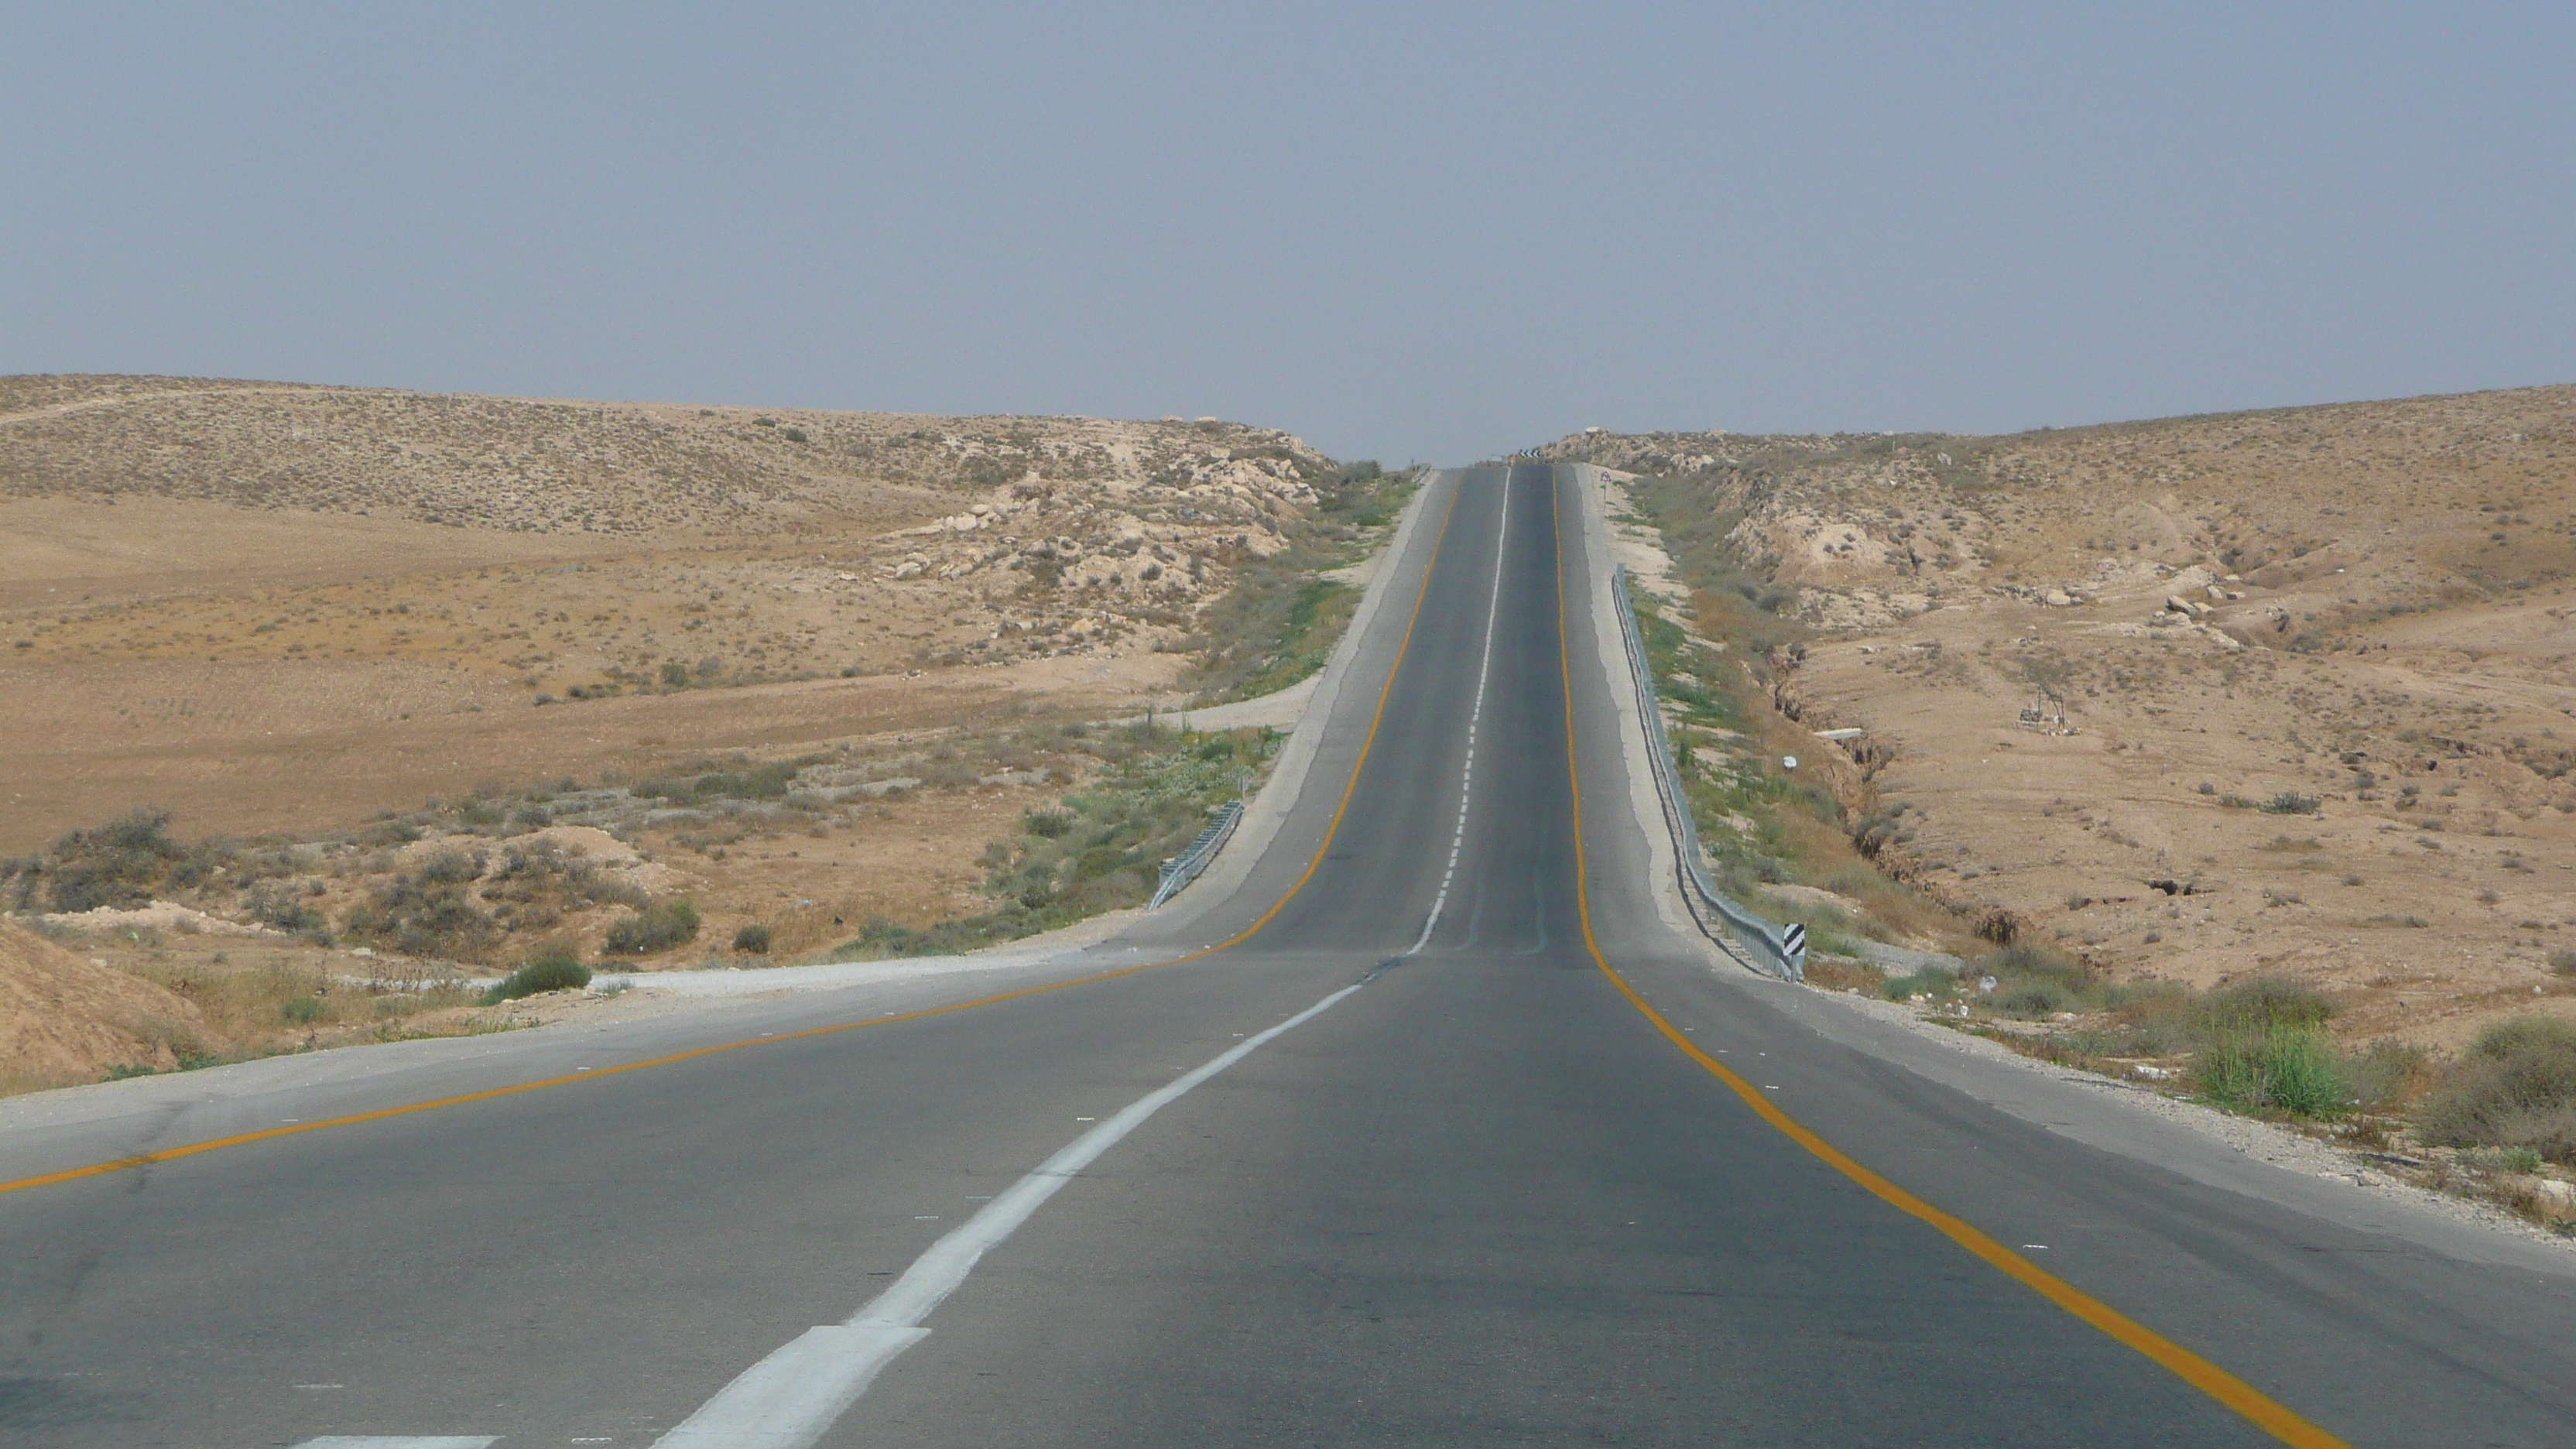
1342, 1181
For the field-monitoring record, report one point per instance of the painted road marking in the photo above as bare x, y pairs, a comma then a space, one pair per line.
789, 1399
1475, 717
401, 1441
2272, 1418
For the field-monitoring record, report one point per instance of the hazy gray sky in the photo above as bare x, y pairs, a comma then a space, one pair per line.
1402, 231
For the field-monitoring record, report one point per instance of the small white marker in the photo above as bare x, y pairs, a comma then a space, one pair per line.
2036, 1247
1086, 1119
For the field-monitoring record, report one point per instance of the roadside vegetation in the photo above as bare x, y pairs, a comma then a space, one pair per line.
1765, 826
1096, 849
1279, 622
1816, 844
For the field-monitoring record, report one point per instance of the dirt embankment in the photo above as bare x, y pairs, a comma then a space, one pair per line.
65, 1019
2316, 670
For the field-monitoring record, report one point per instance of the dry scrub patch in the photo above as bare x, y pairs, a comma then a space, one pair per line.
2316, 670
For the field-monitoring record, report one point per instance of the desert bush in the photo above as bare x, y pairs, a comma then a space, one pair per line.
657, 927
2515, 1087
302, 1010
746, 782
280, 910
553, 971
2290, 802
752, 940
1930, 981
2033, 981
2268, 1002
532, 888
116, 865
2387, 1075
2563, 961
428, 911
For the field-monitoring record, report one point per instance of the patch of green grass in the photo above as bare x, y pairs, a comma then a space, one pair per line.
553, 971
657, 927
2272, 1068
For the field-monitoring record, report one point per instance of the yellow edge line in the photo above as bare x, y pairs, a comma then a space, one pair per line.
2182, 1363
1385, 692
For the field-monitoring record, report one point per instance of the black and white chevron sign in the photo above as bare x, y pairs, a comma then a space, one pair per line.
1793, 940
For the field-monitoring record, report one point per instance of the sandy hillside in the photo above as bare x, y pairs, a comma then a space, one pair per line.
64, 1019
2317, 668
268, 606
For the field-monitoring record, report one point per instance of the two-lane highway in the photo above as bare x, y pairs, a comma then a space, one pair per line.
1540, 1175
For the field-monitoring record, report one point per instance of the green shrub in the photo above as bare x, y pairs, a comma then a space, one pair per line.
2268, 1002
1930, 981
428, 911
655, 928
285, 913
752, 940
2033, 981
302, 1010
2516, 1087
2037, 997
117, 864
1047, 824
750, 782
553, 971
2290, 802
2274, 1068
2562, 962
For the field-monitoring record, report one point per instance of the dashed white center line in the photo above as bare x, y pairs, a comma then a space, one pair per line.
789, 1399
1475, 717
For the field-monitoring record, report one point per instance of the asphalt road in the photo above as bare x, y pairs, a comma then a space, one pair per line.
1474, 1194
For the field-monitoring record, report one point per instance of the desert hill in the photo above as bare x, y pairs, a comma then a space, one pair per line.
271, 606
2318, 664
532, 465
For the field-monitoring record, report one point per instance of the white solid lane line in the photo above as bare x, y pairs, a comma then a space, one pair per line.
788, 1400
1475, 716
401, 1441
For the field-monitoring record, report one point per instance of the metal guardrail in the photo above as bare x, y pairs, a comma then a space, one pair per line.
1774, 950
1185, 867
